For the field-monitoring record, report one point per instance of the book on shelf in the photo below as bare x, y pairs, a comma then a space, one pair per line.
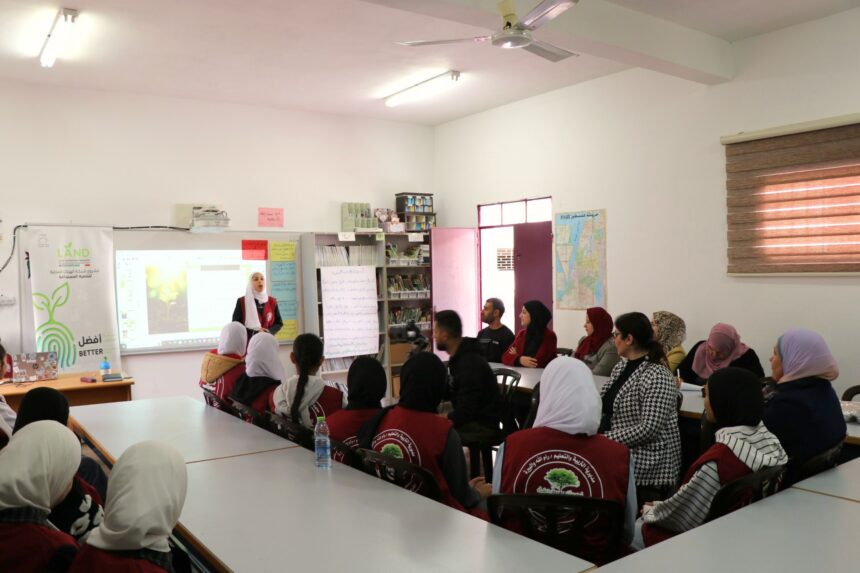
352, 255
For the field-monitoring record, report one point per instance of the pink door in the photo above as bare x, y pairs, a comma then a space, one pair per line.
454, 256
532, 265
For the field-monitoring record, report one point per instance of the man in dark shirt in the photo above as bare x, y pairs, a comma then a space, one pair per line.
497, 337
474, 391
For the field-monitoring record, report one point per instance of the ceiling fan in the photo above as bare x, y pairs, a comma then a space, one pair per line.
516, 33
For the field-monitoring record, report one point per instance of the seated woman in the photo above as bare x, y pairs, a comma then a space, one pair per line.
565, 433
366, 383
306, 396
413, 431
536, 344
722, 349
804, 411
81, 508
596, 348
263, 373
734, 406
223, 366
36, 472
640, 407
145, 498
670, 331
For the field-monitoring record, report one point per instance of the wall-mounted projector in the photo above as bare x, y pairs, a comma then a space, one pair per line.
202, 218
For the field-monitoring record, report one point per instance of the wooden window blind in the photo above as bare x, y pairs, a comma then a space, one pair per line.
794, 203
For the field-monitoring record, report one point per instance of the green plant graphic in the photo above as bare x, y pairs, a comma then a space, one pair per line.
53, 336
392, 450
560, 479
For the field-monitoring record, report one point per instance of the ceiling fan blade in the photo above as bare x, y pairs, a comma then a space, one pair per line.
475, 40
543, 13
548, 51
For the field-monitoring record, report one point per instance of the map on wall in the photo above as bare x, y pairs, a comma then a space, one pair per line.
580, 259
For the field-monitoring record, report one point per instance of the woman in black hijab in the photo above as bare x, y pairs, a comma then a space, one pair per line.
736, 396
81, 509
366, 383
536, 344
413, 431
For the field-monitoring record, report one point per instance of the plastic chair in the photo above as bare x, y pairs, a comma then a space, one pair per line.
401, 473
564, 351
850, 393
214, 401
824, 461
342, 453
587, 527
482, 451
745, 491
291, 431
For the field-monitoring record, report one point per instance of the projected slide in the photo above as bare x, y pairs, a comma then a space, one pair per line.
178, 299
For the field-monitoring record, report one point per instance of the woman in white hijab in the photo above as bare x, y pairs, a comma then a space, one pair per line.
36, 472
257, 310
562, 453
145, 496
223, 366
263, 373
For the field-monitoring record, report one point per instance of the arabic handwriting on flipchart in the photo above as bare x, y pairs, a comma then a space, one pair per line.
350, 311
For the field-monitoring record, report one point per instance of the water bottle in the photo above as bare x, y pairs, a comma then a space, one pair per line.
322, 444
104, 367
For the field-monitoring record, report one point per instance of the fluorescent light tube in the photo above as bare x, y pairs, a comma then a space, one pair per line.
423, 90
57, 37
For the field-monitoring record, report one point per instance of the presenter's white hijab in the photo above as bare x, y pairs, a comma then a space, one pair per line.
252, 319
145, 495
262, 358
233, 339
568, 398
38, 465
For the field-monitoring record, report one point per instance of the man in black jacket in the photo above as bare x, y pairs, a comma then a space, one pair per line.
474, 391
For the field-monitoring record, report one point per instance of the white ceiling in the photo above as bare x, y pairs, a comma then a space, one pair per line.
336, 56
735, 20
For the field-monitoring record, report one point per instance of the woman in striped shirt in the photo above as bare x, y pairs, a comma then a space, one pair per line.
734, 405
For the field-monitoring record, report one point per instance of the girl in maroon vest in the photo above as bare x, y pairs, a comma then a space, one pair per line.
263, 373
734, 405
366, 383
562, 452
412, 430
535, 345
37, 468
305, 396
223, 366
257, 310
144, 500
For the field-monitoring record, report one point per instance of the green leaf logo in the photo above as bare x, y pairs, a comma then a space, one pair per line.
560, 479
392, 450
51, 335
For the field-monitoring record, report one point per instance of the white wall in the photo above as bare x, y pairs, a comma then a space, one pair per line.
91, 157
646, 147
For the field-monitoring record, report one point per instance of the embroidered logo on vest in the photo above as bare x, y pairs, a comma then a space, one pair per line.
559, 472
397, 444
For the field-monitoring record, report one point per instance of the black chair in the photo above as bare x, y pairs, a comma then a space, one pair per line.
745, 491
851, 393
564, 351
587, 527
290, 430
824, 461
251, 415
214, 401
482, 450
342, 453
401, 473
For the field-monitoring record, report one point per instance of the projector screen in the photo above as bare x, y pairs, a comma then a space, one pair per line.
178, 299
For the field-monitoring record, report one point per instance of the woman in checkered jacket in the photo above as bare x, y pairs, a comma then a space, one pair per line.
640, 407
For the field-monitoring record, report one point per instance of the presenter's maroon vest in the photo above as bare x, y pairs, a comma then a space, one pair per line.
267, 317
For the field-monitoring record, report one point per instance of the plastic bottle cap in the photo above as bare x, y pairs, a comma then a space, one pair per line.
320, 418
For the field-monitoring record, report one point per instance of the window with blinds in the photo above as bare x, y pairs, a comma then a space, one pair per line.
794, 202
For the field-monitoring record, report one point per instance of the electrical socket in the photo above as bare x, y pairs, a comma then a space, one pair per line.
7, 300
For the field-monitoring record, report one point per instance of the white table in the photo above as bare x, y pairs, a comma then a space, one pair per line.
842, 481
287, 515
791, 532
529, 376
853, 434
198, 431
